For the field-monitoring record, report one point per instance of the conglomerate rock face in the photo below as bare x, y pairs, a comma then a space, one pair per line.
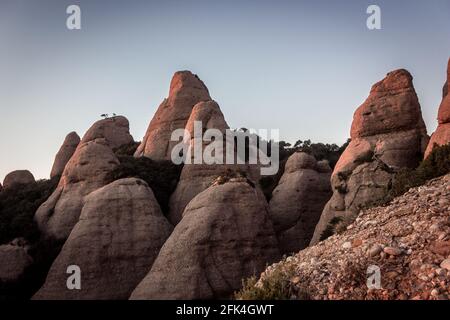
85, 172
14, 260
225, 235
388, 133
298, 200
186, 90
64, 154
118, 236
197, 177
407, 241
442, 134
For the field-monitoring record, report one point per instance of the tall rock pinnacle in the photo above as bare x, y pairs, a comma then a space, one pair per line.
388, 133
186, 90
442, 134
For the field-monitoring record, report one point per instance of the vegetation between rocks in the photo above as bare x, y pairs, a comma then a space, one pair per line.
161, 176
279, 284
18, 205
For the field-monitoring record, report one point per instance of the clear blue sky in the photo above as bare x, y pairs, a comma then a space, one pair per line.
300, 66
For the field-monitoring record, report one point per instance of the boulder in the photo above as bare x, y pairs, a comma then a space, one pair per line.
64, 154
442, 134
298, 200
225, 236
14, 261
186, 90
115, 130
118, 236
388, 133
18, 177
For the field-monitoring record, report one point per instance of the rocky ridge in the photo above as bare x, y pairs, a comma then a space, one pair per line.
409, 240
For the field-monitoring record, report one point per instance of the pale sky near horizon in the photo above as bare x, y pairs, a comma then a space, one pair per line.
299, 66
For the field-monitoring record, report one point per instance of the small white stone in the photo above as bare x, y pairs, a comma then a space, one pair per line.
347, 245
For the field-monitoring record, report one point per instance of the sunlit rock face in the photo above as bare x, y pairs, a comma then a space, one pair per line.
388, 133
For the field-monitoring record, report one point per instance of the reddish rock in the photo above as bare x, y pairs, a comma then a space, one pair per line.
186, 90
18, 177
115, 131
442, 134
441, 247
64, 154
392, 106
388, 133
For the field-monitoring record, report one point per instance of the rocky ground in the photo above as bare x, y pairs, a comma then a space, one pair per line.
409, 240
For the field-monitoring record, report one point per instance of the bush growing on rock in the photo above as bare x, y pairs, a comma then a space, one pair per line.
320, 151
18, 205
435, 165
280, 285
161, 176
127, 149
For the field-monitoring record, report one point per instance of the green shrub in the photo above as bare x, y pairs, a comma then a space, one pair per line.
276, 286
18, 205
127, 149
331, 228
161, 176
435, 165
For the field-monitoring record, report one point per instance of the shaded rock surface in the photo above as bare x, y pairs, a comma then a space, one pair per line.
388, 133
118, 236
64, 154
298, 200
14, 261
225, 235
85, 172
409, 240
442, 134
18, 177
186, 90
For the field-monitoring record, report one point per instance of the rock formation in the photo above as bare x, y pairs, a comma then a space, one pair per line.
119, 234
64, 154
196, 178
14, 261
85, 172
408, 240
298, 200
442, 134
225, 235
186, 90
18, 177
387, 133
115, 130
